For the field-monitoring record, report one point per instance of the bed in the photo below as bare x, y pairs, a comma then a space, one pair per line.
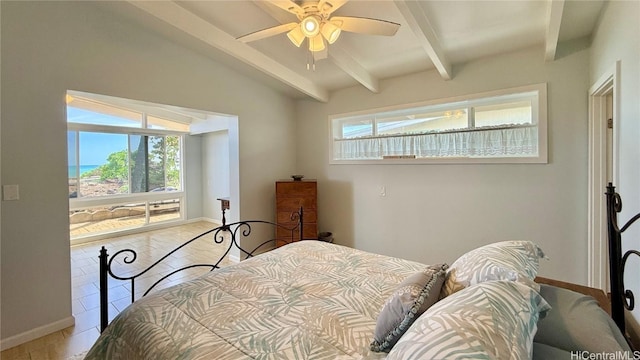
317, 300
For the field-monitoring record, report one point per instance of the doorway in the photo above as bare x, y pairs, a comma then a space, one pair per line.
603, 112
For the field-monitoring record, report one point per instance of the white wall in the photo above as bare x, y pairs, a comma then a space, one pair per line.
50, 47
616, 39
193, 176
215, 174
434, 213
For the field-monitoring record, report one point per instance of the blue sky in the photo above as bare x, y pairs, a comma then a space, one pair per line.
94, 147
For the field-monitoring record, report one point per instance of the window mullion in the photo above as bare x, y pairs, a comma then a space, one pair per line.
121, 129
165, 162
181, 156
374, 126
146, 163
77, 136
129, 153
471, 111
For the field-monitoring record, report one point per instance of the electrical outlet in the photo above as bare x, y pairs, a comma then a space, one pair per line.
383, 191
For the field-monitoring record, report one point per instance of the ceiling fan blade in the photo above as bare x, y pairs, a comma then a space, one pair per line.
329, 6
264, 33
289, 6
365, 25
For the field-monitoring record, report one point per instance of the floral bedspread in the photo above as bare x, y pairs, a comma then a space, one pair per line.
306, 300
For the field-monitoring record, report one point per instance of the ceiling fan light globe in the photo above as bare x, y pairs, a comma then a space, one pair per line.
316, 44
296, 36
330, 32
310, 26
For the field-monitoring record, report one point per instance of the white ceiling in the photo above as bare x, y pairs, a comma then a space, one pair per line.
433, 35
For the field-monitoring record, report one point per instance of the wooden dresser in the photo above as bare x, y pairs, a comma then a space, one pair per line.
290, 196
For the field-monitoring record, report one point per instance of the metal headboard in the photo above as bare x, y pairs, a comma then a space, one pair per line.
621, 298
235, 230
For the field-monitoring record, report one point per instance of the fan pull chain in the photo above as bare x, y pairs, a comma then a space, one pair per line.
313, 61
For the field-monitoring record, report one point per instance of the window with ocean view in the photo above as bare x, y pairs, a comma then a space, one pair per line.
124, 166
111, 164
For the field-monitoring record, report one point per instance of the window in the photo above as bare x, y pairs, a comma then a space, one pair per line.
504, 126
125, 167
106, 164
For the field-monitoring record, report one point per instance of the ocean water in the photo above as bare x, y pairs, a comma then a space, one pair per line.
83, 169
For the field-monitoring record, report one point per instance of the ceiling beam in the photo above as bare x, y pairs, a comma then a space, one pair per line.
337, 54
184, 20
421, 26
554, 19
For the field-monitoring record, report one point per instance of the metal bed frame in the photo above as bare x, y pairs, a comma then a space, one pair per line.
621, 298
236, 230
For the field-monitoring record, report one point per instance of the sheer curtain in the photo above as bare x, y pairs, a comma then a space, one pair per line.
492, 142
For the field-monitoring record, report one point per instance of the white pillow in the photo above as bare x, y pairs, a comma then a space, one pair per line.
491, 320
506, 260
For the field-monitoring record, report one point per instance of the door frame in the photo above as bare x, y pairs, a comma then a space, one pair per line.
607, 84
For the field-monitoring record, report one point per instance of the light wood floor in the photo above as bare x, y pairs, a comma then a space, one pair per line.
149, 246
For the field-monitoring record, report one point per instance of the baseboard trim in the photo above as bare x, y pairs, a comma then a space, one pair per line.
213, 221
36, 333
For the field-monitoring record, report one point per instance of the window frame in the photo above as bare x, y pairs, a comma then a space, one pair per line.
86, 202
82, 203
539, 119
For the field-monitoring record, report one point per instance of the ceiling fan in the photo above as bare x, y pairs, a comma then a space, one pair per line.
317, 25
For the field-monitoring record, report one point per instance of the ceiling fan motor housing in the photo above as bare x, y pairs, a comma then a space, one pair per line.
310, 25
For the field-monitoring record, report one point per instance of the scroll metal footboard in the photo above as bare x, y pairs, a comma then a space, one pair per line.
234, 230
621, 298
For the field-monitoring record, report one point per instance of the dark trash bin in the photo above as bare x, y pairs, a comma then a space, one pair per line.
326, 237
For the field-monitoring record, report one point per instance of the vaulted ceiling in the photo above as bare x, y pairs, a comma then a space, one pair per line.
432, 35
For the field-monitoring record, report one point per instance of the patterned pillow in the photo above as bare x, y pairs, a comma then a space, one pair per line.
410, 299
491, 320
506, 260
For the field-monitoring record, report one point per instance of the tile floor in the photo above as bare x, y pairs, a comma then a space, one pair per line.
149, 246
